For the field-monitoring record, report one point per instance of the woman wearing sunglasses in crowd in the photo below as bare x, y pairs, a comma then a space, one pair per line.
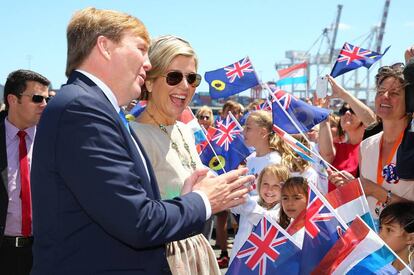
205, 117
355, 116
169, 88
378, 171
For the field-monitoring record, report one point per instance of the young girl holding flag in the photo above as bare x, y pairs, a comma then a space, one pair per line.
268, 185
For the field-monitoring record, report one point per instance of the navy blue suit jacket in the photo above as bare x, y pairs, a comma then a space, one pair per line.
94, 209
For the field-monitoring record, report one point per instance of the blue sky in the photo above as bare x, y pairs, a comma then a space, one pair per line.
33, 33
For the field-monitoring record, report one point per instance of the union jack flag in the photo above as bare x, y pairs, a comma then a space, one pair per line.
268, 250
352, 57
314, 215
226, 149
350, 53
322, 231
238, 69
231, 79
287, 108
284, 98
227, 129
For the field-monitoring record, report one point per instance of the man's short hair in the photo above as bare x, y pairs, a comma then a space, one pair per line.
17, 80
88, 24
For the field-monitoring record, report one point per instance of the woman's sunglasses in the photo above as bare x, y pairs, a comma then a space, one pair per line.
343, 111
38, 98
203, 117
175, 78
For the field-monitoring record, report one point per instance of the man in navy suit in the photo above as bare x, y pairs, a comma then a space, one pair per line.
96, 204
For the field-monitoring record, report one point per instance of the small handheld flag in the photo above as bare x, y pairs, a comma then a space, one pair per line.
231, 79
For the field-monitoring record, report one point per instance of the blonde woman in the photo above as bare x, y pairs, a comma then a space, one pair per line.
169, 88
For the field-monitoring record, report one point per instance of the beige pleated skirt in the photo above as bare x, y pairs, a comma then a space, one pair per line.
193, 255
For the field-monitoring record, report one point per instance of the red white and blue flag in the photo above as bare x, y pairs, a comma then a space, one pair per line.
232, 79
296, 74
352, 57
359, 251
188, 118
290, 109
349, 202
238, 69
322, 230
227, 148
268, 250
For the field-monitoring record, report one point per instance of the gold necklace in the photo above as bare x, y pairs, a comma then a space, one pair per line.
174, 145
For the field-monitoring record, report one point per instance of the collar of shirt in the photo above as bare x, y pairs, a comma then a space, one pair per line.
105, 89
11, 130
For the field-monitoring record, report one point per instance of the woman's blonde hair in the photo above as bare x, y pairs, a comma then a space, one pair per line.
162, 52
205, 109
295, 162
276, 170
88, 24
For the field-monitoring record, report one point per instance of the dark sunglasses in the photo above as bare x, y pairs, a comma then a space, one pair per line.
38, 98
343, 110
175, 78
204, 117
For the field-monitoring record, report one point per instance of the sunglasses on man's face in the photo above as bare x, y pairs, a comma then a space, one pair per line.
38, 98
343, 111
174, 78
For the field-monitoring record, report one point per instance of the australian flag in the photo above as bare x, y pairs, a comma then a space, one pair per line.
232, 79
304, 115
322, 230
228, 144
352, 57
268, 250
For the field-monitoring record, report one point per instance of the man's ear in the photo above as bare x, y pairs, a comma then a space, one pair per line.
105, 46
12, 99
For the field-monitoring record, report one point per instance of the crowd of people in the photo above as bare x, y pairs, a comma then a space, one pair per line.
84, 191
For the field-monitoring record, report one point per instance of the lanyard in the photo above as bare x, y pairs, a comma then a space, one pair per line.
380, 178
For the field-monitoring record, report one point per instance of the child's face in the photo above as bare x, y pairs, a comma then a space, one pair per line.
270, 188
395, 236
293, 203
253, 134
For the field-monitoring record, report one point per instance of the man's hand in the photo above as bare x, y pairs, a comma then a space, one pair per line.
224, 191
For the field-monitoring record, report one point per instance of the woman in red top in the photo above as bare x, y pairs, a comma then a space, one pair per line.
355, 117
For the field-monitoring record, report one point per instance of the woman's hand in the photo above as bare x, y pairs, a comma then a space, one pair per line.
337, 90
339, 178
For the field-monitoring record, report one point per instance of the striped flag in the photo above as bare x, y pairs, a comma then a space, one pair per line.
293, 75
359, 251
349, 202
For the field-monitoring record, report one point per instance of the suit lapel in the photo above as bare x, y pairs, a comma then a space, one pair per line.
151, 183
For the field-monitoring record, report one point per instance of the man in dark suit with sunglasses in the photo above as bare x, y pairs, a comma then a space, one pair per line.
25, 96
96, 203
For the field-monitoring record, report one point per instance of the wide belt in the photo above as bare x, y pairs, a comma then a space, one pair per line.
17, 241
